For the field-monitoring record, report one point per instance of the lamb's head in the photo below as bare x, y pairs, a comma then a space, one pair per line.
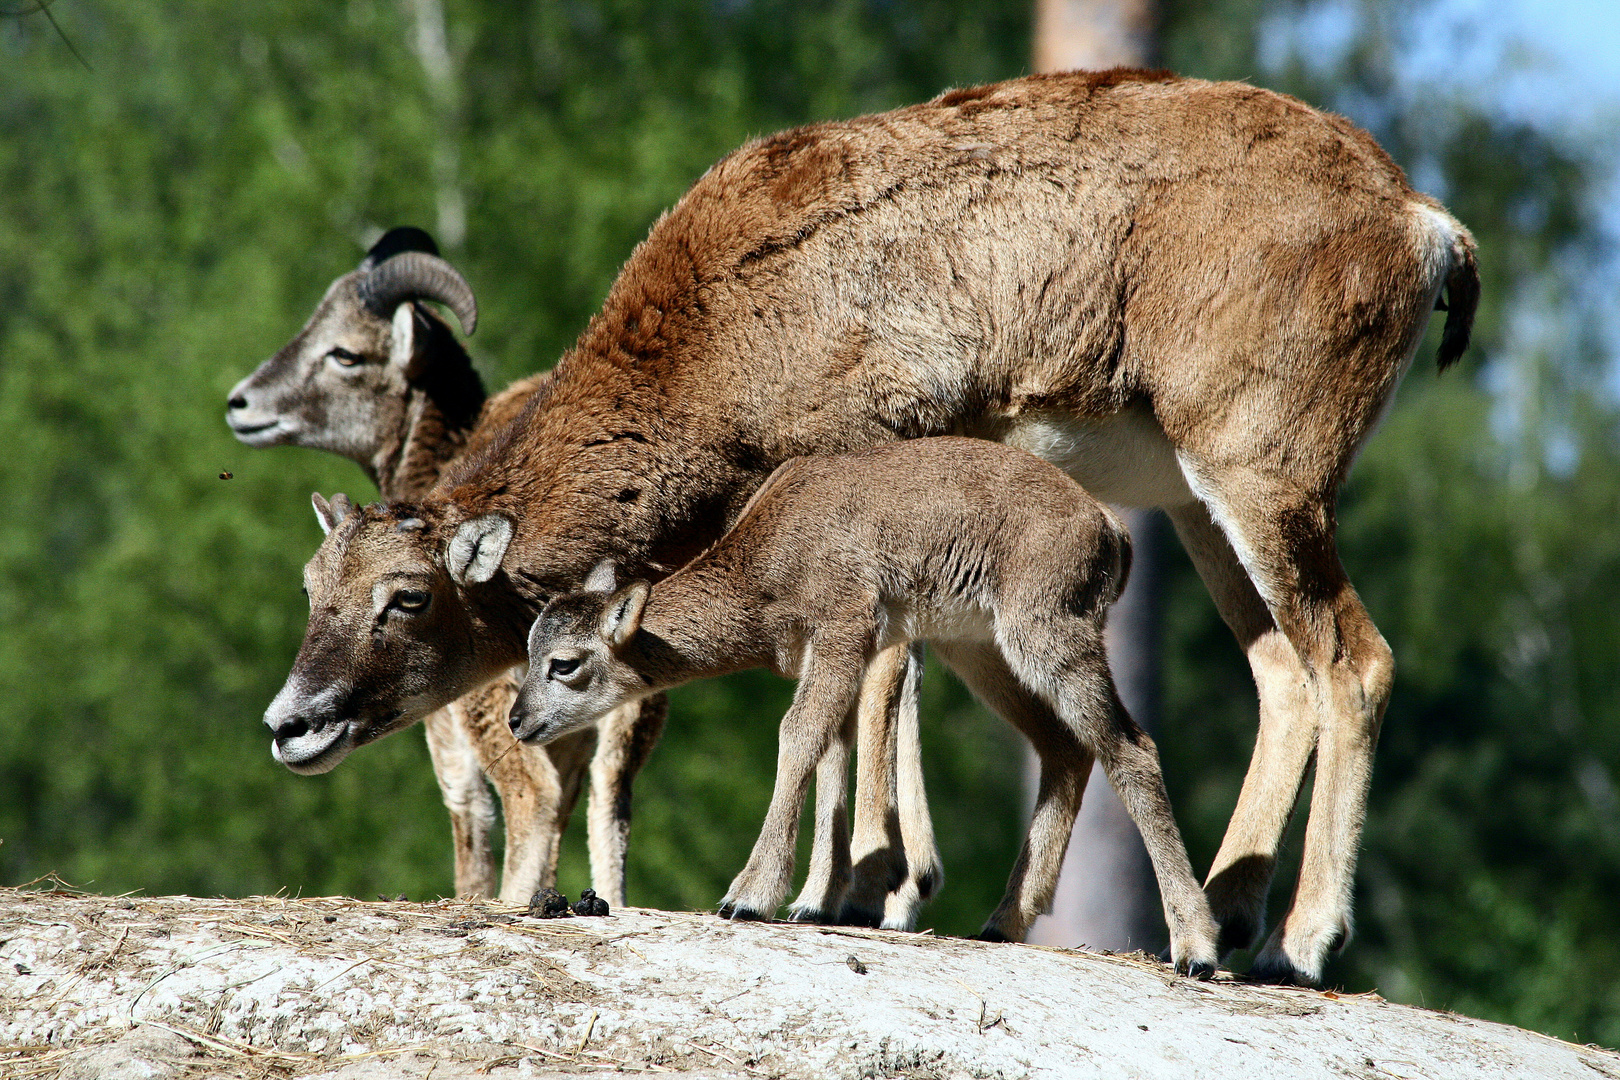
577, 668
395, 626
340, 385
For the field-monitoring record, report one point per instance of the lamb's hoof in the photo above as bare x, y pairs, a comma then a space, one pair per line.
809, 915
1196, 969
548, 904
590, 904
993, 935
741, 913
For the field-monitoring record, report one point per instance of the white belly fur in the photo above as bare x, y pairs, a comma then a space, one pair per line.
1123, 459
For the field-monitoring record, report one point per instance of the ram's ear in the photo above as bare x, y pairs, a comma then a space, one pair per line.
477, 549
622, 616
407, 342
331, 514
604, 577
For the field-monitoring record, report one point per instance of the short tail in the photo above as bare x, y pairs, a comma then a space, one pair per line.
1461, 298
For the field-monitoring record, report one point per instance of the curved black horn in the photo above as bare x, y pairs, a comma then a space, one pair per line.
412, 275
395, 240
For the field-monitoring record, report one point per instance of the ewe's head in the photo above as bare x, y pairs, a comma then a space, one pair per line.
341, 384
392, 634
577, 672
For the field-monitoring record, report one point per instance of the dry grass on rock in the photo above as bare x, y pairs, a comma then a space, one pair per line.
171, 987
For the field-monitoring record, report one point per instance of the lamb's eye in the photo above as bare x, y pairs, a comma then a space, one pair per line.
412, 599
561, 668
344, 356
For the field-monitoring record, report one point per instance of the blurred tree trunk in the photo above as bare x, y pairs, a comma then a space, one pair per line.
432, 49
1107, 897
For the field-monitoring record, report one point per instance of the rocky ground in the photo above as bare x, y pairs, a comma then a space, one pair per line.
169, 987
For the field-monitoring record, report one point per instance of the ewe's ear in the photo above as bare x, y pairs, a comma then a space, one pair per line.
622, 616
604, 577
407, 343
477, 549
330, 514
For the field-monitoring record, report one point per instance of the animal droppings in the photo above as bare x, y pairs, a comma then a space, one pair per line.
548, 904
855, 965
331, 918
590, 904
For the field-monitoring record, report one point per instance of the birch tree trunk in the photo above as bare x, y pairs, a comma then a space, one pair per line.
1107, 897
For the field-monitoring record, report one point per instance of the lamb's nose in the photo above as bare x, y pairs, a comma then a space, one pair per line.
516, 720
237, 402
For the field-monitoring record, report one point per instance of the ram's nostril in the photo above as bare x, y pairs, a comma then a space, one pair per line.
293, 729
237, 402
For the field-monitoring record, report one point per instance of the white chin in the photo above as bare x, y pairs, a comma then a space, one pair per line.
261, 435
317, 752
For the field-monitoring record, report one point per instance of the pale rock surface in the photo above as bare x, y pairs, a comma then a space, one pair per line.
177, 987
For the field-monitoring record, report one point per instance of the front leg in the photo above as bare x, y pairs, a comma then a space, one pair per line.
813, 729
828, 877
472, 809
626, 737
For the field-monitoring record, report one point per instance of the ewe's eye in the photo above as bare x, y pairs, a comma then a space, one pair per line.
561, 669
344, 356
412, 599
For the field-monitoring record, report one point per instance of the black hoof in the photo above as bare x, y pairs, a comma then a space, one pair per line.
726, 911
743, 914
993, 936
810, 915
872, 920
1238, 932
1278, 975
1198, 969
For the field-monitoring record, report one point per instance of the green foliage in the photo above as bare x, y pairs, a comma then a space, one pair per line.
169, 219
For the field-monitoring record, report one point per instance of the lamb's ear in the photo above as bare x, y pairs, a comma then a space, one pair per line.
331, 514
407, 344
604, 577
622, 616
477, 549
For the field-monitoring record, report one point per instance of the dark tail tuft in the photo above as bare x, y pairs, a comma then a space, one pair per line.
1462, 297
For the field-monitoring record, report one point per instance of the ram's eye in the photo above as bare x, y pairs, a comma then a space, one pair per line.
344, 356
561, 668
412, 599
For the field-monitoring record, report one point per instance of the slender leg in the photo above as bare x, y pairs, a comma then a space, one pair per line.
812, 729
828, 876
925, 870
472, 809
1240, 876
1287, 536
1065, 767
527, 783
897, 866
1063, 657
625, 739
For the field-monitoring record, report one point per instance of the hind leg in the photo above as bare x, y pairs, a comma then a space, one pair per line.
1240, 876
1062, 657
1065, 766
1286, 538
